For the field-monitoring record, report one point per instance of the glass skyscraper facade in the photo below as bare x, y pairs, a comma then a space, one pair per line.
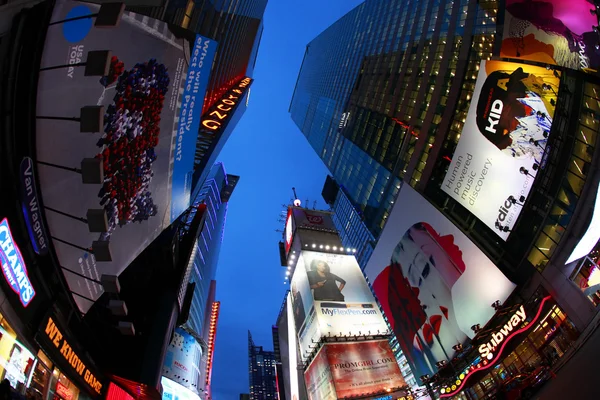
377, 85
261, 369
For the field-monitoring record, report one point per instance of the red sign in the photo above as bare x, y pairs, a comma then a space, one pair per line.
63, 391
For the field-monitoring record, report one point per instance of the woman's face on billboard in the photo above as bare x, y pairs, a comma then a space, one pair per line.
421, 259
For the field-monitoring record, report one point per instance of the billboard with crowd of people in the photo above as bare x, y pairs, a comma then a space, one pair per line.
151, 103
330, 297
503, 142
432, 282
555, 32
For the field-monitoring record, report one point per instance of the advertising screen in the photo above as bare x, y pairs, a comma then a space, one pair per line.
313, 219
358, 368
333, 287
182, 359
319, 382
152, 99
294, 391
174, 391
502, 144
432, 282
551, 32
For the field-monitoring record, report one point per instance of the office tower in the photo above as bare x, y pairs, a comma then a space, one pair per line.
348, 221
244, 396
466, 115
261, 371
189, 361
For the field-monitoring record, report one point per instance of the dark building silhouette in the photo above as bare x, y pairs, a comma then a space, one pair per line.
261, 371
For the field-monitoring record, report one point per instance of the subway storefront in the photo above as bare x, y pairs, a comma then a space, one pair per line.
520, 339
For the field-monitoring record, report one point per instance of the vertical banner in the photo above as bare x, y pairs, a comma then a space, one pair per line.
152, 98
502, 144
553, 32
432, 282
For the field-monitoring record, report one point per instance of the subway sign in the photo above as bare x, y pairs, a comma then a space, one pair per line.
490, 352
215, 120
53, 339
13, 265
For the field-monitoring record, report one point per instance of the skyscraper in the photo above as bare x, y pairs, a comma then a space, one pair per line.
469, 107
189, 360
261, 371
237, 28
348, 220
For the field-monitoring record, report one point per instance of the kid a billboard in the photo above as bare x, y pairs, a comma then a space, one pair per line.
503, 141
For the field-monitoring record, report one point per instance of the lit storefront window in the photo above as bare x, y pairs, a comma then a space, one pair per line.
587, 276
16, 361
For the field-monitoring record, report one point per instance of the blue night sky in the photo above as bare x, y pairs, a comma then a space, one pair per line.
271, 155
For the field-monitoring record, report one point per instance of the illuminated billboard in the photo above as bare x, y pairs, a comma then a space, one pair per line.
293, 390
319, 382
432, 282
502, 143
152, 99
331, 297
348, 370
552, 32
289, 231
174, 391
182, 359
304, 218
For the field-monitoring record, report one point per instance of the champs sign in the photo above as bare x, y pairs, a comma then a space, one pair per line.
13, 266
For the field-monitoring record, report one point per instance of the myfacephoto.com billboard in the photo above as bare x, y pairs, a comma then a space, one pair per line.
502, 143
330, 296
152, 99
552, 32
432, 282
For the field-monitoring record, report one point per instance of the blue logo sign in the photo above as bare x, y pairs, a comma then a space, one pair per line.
13, 266
196, 83
76, 31
31, 208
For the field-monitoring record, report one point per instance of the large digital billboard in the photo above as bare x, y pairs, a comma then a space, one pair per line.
432, 282
319, 382
152, 99
331, 297
552, 32
348, 370
293, 390
172, 390
182, 360
502, 144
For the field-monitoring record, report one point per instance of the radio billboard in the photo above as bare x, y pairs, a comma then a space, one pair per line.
331, 297
432, 282
502, 144
552, 32
152, 99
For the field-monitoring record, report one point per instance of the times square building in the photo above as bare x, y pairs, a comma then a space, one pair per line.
91, 296
384, 96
